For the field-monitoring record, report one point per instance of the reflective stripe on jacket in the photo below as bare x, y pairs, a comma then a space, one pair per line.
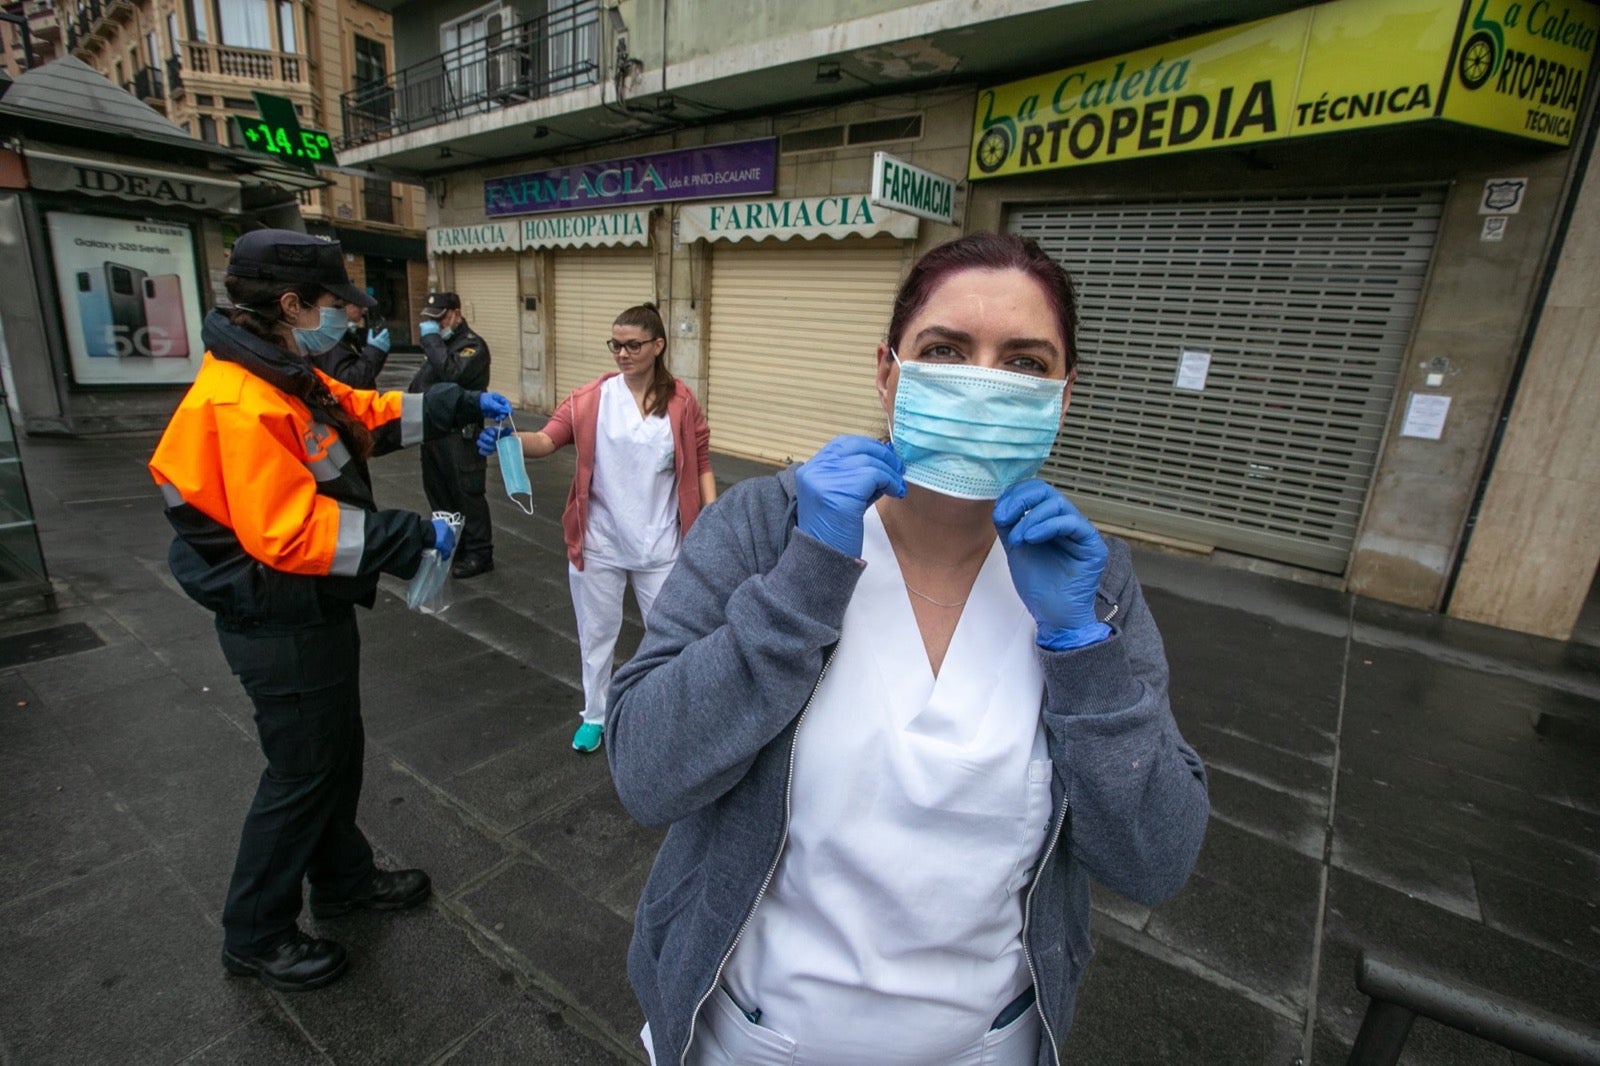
275, 517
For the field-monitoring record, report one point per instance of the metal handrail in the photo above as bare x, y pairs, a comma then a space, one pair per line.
554, 53
1398, 994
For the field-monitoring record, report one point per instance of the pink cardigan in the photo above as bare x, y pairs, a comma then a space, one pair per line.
575, 422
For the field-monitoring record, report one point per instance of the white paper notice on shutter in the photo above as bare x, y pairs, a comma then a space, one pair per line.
1192, 370
1425, 416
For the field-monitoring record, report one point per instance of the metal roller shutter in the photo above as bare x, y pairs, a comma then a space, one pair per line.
793, 332
592, 288
1305, 305
487, 285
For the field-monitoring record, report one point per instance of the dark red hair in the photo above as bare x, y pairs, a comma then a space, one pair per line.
988, 251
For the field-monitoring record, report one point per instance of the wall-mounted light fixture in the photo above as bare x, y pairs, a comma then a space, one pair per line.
614, 19
828, 72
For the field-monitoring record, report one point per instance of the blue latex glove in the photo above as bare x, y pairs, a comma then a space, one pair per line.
836, 486
1056, 558
487, 439
429, 328
443, 538
495, 406
379, 340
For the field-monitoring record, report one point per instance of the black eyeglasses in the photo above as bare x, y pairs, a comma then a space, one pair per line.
632, 346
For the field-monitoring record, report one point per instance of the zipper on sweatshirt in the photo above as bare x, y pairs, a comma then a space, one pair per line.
772, 868
1027, 924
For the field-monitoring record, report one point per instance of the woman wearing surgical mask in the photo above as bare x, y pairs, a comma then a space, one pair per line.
263, 469
897, 706
643, 474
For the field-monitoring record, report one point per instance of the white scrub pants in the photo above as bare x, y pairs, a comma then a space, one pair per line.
597, 601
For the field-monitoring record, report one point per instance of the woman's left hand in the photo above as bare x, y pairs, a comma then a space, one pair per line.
1056, 558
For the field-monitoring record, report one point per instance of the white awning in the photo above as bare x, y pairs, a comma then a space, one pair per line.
100, 174
807, 218
479, 237
588, 229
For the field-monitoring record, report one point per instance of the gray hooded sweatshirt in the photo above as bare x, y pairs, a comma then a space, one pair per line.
701, 731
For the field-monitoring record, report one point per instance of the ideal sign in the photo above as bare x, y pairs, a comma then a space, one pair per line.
899, 185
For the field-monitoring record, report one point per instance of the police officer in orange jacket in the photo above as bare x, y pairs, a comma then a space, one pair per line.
453, 472
263, 471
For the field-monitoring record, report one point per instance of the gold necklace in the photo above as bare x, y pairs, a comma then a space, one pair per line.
937, 603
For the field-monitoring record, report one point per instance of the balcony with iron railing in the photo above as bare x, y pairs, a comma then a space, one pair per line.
148, 86
174, 75
552, 54
246, 64
80, 42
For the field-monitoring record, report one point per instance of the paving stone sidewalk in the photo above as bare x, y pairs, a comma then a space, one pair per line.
1381, 778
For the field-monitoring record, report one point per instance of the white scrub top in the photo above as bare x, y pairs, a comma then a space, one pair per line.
891, 933
633, 495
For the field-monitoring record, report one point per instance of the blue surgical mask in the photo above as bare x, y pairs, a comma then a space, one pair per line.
970, 431
514, 469
329, 331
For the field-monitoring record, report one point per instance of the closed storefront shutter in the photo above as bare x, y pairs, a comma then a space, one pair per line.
793, 330
487, 285
593, 287
1304, 306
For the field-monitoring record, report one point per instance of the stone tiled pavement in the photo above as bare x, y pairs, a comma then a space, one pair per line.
1380, 777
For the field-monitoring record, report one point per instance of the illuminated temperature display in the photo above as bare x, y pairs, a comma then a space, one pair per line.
278, 133
303, 147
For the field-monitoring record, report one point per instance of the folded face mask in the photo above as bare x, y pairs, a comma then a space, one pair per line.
514, 468
972, 432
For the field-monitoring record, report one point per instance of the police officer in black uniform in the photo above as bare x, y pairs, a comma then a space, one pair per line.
452, 470
358, 358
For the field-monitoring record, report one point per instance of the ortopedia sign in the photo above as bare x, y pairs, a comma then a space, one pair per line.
1516, 68
903, 187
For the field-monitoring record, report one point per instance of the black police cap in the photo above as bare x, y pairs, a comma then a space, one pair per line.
297, 258
438, 303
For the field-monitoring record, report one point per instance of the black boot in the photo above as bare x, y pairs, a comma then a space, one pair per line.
389, 890
472, 567
298, 964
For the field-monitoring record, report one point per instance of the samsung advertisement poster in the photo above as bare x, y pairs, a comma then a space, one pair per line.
129, 299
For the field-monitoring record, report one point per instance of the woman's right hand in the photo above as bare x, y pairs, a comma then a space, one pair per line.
835, 487
488, 438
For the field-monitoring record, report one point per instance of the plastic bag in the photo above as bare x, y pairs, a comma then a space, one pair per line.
428, 592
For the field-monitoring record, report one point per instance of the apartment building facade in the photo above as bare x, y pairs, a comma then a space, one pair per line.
1335, 259
198, 62
30, 26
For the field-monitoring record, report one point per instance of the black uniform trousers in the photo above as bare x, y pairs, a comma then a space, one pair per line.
305, 684
453, 476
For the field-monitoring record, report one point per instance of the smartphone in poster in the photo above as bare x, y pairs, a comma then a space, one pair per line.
129, 299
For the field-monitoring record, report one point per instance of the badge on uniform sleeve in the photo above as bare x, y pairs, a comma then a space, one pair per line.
467, 353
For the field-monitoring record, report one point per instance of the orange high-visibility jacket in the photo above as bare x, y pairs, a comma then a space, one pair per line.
275, 518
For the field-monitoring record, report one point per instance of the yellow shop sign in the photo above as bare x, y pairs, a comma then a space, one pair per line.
1517, 68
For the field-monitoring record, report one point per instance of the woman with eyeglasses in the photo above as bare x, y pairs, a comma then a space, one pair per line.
898, 706
644, 473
